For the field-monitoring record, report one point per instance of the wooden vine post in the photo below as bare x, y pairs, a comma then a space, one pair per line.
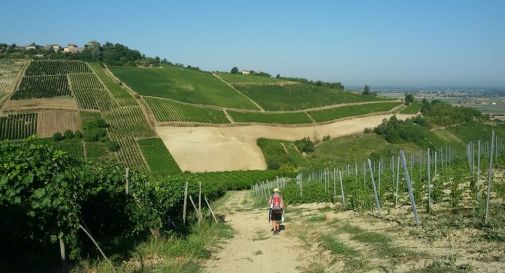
342, 188
127, 177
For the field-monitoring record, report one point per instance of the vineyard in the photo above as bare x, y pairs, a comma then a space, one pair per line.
18, 126
157, 157
9, 70
429, 182
298, 96
352, 110
126, 121
88, 91
270, 117
171, 111
182, 85
43, 87
56, 67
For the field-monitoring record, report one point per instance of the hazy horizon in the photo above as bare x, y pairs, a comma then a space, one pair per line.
387, 43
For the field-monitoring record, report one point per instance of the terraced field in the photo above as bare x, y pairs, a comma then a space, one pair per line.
352, 110
270, 117
182, 85
43, 87
9, 70
125, 118
56, 67
298, 96
170, 111
18, 126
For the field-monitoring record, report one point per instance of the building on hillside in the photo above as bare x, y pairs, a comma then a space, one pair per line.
245, 72
30, 47
56, 47
40, 55
71, 48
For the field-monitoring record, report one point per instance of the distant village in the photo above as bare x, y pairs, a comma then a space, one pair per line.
56, 48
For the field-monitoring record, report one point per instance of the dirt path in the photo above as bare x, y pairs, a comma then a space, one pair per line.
254, 248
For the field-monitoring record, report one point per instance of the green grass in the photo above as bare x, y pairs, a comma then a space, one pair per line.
169, 253
85, 116
336, 246
170, 111
279, 118
351, 110
158, 158
275, 155
98, 152
298, 96
251, 79
413, 108
475, 131
182, 85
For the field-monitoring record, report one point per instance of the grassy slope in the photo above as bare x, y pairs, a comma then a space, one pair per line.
166, 110
298, 96
183, 85
251, 79
350, 149
280, 118
158, 157
351, 110
413, 108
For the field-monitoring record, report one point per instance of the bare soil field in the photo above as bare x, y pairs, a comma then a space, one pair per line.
39, 104
50, 122
199, 149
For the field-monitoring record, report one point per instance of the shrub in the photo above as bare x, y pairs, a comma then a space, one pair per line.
94, 134
68, 134
113, 146
95, 123
305, 145
78, 134
326, 138
57, 136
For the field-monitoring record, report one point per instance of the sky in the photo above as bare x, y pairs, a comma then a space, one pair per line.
394, 43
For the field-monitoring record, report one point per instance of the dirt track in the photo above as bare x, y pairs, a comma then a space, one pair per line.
200, 149
254, 248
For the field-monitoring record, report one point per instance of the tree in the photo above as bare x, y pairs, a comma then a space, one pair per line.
68, 134
278, 76
366, 90
409, 98
234, 70
57, 136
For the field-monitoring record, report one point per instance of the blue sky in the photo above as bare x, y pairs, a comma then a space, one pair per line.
430, 43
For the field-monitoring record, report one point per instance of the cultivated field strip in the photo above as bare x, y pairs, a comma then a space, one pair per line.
50, 122
170, 111
18, 126
125, 118
89, 92
43, 87
56, 67
9, 70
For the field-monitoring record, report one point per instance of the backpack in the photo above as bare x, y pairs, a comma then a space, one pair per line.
276, 202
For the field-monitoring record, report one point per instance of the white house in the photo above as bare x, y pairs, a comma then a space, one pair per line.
245, 72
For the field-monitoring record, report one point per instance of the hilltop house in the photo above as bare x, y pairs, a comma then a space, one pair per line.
56, 47
30, 47
245, 72
71, 48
